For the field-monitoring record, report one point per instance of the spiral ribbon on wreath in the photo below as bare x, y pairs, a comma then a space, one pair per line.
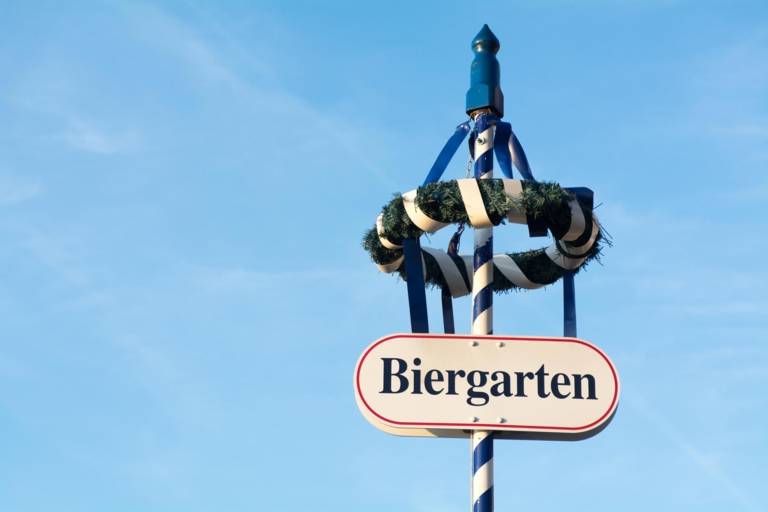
566, 213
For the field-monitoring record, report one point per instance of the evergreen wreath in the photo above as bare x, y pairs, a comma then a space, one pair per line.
567, 216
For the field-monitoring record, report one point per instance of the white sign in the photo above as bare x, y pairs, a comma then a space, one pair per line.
446, 385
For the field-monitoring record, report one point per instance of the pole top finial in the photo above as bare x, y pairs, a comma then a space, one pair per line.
484, 90
485, 40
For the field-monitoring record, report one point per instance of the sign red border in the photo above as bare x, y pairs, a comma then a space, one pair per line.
496, 426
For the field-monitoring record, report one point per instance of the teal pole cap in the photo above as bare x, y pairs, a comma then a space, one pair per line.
484, 90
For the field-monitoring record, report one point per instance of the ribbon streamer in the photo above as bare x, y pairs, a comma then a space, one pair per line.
509, 151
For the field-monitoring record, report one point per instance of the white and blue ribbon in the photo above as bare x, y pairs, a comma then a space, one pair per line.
510, 152
446, 154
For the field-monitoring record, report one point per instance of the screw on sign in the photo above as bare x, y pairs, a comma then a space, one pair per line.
485, 386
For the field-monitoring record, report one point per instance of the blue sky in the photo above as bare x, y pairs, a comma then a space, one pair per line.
184, 187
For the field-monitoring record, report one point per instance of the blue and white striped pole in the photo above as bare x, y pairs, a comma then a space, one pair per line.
482, 316
482, 281
485, 104
482, 471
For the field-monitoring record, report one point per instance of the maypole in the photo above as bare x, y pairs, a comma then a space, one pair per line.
485, 386
485, 104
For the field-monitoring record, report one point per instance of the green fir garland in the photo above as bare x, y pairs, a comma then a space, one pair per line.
547, 202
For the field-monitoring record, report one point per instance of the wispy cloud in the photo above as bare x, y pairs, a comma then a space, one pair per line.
757, 191
707, 464
61, 255
86, 136
74, 126
685, 264
14, 189
308, 128
727, 308
51, 92
223, 279
172, 35
727, 93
